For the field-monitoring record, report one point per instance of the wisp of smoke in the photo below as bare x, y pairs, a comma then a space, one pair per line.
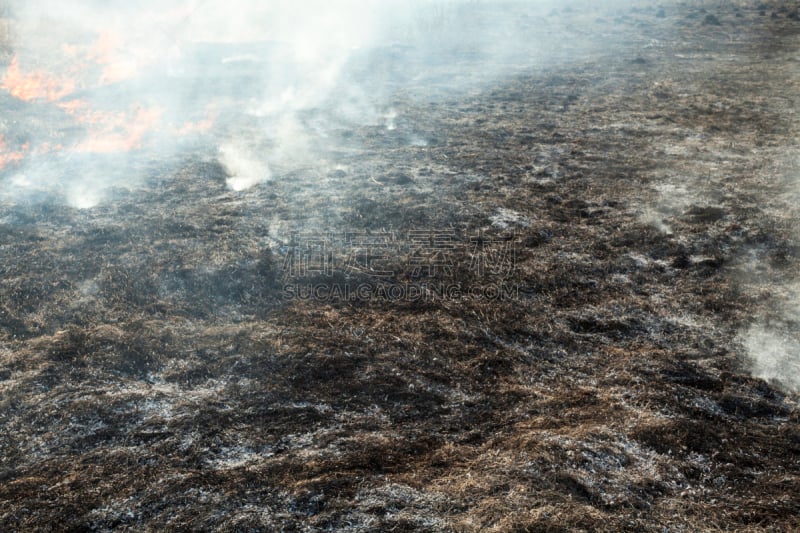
774, 355
244, 167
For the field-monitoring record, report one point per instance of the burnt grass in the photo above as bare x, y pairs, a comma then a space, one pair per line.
153, 375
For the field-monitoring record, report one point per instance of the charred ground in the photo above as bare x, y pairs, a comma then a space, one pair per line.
154, 376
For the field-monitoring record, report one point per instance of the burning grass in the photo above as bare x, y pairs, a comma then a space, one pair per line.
154, 376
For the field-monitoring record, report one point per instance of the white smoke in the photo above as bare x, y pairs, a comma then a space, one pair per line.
772, 340
772, 343
145, 79
774, 355
243, 165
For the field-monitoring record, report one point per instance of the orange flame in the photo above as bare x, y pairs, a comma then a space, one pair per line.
7, 157
34, 85
111, 131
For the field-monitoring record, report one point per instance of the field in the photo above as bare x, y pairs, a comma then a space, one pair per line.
578, 310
